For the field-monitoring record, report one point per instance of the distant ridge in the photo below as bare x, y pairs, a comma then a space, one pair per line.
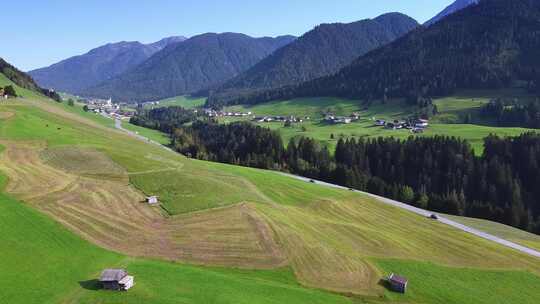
200, 62
77, 73
319, 52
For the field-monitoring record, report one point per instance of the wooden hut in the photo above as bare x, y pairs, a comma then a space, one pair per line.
398, 283
152, 200
116, 279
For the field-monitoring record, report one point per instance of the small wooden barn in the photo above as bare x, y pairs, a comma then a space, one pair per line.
398, 283
116, 279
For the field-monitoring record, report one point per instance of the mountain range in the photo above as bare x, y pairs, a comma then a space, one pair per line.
77, 73
321, 51
490, 45
228, 66
197, 63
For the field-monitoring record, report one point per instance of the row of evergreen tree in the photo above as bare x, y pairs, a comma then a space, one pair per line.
513, 114
8, 90
437, 173
165, 119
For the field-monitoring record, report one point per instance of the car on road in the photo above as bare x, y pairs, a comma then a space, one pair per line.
312, 181
434, 216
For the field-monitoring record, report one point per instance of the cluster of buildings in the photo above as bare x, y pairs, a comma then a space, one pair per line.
333, 119
150, 103
102, 105
214, 113
290, 119
415, 125
107, 107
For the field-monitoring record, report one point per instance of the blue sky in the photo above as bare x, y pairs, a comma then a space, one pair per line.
38, 33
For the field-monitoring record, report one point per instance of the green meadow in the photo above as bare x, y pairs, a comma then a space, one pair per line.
429, 283
186, 102
44, 263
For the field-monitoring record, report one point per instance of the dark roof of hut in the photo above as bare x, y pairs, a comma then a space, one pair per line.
110, 275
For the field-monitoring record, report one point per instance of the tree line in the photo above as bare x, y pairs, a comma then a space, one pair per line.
513, 114
437, 173
8, 90
165, 119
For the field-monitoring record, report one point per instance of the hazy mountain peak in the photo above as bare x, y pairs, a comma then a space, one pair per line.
99, 64
452, 8
200, 62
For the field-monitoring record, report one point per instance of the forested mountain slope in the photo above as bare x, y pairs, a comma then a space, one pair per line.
490, 45
321, 51
22, 81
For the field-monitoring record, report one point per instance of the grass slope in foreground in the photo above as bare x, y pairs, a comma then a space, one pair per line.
330, 239
448, 122
44, 263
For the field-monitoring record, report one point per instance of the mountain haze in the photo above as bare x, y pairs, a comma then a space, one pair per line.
197, 63
321, 51
487, 46
77, 73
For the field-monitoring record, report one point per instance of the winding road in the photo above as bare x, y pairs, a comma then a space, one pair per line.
422, 212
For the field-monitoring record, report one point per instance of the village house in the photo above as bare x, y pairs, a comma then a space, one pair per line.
330, 118
422, 123
116, 279
398, 283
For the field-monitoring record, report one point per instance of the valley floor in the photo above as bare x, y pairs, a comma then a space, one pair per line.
449, 121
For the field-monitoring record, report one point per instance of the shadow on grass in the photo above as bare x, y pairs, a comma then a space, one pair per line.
90, 285
384, 283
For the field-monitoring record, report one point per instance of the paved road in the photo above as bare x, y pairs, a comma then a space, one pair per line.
422, 212
441, 219
118, 125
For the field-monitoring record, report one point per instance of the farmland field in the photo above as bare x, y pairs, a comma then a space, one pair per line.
276, 238
186, 102
448, 122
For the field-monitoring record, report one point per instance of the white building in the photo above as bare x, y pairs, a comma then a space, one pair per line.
152, 200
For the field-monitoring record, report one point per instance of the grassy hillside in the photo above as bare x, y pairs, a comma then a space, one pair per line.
53, 265
92, 179
448, 122
453, 285
180, 101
